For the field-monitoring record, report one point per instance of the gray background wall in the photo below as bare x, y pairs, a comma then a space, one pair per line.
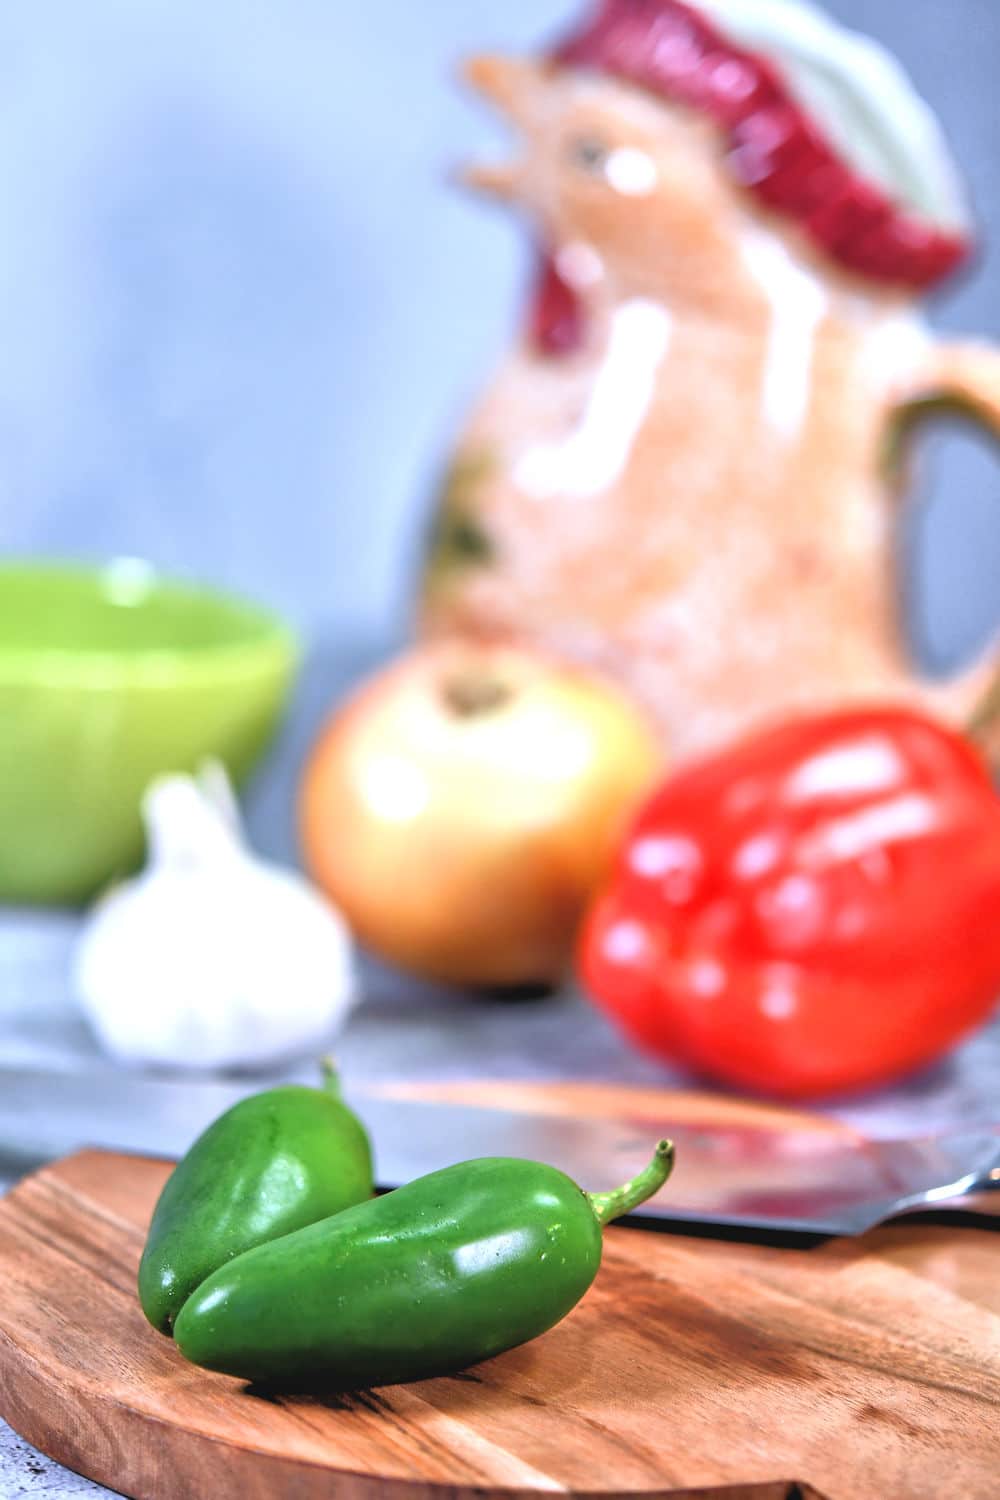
241, 310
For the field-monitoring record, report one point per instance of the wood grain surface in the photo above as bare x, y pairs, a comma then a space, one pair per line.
854, 1370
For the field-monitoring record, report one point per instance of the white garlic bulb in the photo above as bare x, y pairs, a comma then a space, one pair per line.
212, 958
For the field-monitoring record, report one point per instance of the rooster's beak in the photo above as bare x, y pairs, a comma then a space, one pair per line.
497, 179
514, 86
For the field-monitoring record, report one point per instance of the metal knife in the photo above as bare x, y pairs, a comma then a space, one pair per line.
743, 1178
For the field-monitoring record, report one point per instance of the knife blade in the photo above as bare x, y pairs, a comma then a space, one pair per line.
733, 1176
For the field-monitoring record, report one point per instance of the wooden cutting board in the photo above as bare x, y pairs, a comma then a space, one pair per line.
693, 1367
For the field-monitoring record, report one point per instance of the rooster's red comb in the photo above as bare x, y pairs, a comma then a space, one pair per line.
687, 53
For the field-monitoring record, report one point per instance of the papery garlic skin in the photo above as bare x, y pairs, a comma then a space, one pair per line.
212, 958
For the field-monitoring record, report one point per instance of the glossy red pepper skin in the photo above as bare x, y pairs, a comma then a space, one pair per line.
811, 912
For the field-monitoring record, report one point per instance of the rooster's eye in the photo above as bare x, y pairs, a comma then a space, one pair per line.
588, 153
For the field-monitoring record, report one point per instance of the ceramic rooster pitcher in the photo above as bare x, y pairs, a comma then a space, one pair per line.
686, 472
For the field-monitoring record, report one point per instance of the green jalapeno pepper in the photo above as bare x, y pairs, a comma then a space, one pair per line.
449, 1270
270, 1165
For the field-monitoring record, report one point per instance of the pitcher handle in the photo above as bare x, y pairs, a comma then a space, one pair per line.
963, 380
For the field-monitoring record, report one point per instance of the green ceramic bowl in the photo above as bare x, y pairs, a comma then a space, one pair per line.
109, 677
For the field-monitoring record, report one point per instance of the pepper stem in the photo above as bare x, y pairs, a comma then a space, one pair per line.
608, 1206
331, 1074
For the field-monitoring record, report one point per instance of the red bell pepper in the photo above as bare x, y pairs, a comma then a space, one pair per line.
815, 910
